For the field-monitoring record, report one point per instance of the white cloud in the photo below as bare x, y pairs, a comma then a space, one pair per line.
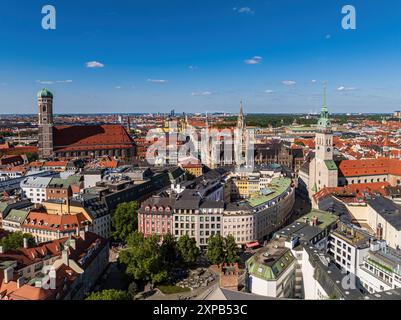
118, 87
44, 81
157, 80
313, 81
328, 36
288, 82
52, 81
64, 81
94, 64
343, 88
245, 10
270, 91
193, 67
254, 60
204, 93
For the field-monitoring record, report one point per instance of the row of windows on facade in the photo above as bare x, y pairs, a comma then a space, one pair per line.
201, 226
111, 152
382, 273
192, 233
201, 219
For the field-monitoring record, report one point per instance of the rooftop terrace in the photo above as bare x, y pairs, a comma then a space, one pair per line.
277, 187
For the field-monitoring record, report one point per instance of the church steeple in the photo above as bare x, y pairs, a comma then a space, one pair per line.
45, 124
241, 117
324, 134
324, 123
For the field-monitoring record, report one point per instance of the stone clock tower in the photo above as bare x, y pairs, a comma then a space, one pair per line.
323, 171
45, 123
324, 134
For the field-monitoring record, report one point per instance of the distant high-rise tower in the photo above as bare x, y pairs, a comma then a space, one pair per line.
45, 105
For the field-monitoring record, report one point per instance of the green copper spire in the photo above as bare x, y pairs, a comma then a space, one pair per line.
44, 93
324, 122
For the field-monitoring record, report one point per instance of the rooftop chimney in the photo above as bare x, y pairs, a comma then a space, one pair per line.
314, 221
379, 232
73, 243
20, 282
64, 257
26, 243
8, 274
82, 234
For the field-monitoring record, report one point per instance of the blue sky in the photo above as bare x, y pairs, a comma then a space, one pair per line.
198, 56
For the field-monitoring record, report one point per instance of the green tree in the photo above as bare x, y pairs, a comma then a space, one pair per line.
169, 251
111, 294
15, 240
143, 259
32, 156
187, 249
215, 249
133, 289
231, 250
125, 220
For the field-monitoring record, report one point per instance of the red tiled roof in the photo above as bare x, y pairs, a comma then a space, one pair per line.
91, 137
64, 275
108, 162
48, 164
5, 149
45, 221
353, 190
368, 167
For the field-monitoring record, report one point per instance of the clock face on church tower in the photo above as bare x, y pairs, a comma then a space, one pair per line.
328, 149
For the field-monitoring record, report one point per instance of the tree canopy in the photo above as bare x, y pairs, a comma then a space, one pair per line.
215, 249
231, 249
125, 220
15, 240
220, 250
143, 259
111, 294
169, 251
187, 250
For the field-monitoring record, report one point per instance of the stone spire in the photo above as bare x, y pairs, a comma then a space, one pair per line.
241, 117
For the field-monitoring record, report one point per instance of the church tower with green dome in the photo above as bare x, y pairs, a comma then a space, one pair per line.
323, 171
324, 133
45, 123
